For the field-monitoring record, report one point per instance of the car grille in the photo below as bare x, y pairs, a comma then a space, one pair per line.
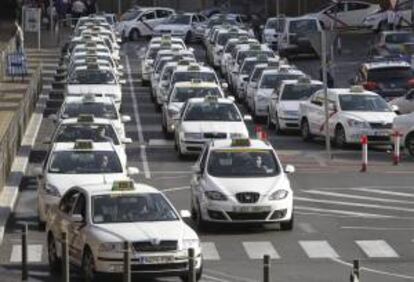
159, 267
215, 135
378, 125
163, 246
248, 216
248, 197
379, 138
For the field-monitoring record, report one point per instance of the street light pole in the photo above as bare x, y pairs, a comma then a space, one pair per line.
325, 92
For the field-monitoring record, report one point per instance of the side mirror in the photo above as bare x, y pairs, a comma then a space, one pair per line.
76, 218
191, 49
231, 98
126, 140
247, 118
37, 171
224, 85
53, 117
125, 119
332, 108
132, 170
122, 81
395, 108
289, 169
185, 213
196, 168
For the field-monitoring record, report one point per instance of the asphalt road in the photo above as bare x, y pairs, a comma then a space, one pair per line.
340, 213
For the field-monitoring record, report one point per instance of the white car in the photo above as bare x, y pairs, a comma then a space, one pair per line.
272, 31
404, 104
99, 107
220, 42
231, 45
141, 22
354, 112
78, 163
205, 119
99, 218
379, 19
241, 181
181, 25
404, 125
182, 92
284, 104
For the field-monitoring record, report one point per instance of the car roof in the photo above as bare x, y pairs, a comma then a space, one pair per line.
190, 84
69, 146
106, 189
296, 81
386, 64
289, 70
227, 144
202, 100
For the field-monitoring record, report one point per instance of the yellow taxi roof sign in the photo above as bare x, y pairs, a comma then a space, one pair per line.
83, 145
211, 98
122, 186
85, 118
241, 142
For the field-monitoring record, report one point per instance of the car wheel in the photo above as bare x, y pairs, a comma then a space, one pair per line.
202, 225
88, 267
134, 34
54, 261
179, 151
287, 225
409, 143
269, 122
188, 37
305, 130
277, 125
340, 137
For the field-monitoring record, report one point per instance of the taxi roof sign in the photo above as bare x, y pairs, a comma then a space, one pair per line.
254, 46
85, 118
304, 80
83, 145
124, 185
88, 98
241, 142
184, 63
196, 80
194, 67
166, 37
211, 98
357, 89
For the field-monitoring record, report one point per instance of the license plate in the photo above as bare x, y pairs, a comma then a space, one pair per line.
381, 133
156, 259
251, 209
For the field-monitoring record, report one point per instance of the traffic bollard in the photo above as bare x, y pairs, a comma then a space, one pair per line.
65, 258
24, 253
397, 141
364, 143
355, 271
266, 268
191, 266
258, 129
127, 263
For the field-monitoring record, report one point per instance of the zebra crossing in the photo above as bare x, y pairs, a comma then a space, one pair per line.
254, 250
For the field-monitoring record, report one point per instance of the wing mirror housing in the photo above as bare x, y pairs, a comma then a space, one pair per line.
289, 169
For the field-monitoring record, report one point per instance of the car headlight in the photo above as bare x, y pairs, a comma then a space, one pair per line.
357, 123
191, 243
111, 247
52, 190
193, 135
215, 196
290, 113
279, 195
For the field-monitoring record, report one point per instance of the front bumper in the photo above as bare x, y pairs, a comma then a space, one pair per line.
374, 136
289, 122
261, 106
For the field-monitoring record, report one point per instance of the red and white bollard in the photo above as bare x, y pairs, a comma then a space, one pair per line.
258, 129
264, 136
364, 143
397, 141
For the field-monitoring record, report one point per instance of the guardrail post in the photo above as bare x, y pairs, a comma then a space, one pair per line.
266, 268
65, 258
355, 271
24, 253
191, 266
127, 263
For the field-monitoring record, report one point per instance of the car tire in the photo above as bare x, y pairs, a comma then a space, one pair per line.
287, 225
88, 266
202, 225
178, 147
55, 262
188, 37
134, 35
409, 143
305, 130
340, 137
269, 123
277, 125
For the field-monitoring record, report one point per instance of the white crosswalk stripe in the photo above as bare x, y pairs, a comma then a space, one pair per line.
377, 249
209, 251
256, 250
318, 249
34, 253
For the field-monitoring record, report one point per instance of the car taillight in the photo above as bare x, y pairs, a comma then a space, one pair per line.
411, 83
370, 85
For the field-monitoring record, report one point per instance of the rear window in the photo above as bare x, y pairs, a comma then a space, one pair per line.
303, 26
382, 74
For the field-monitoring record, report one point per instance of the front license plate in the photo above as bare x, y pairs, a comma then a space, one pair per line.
381, 133
251, 209
156, 260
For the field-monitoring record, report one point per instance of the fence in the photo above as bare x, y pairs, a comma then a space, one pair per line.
10, 141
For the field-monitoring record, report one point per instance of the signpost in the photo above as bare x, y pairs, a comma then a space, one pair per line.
32, 21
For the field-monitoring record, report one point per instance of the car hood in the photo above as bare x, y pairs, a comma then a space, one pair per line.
290, 105
386, 117
214, 126
262, 185
81, 89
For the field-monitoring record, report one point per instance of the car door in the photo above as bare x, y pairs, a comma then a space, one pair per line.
315, 113
355, 13
274, 103
148, 22
162, 15
406, 104
198, 180
77, 237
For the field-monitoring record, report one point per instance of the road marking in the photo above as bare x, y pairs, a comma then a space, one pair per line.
343, 212
212, 278
366, 198
141, 140
382, 192
173, 189
229, 276
377, 228
160, 142
318, 249
377, 249
209, 251
34, 253
307, 227
256, 250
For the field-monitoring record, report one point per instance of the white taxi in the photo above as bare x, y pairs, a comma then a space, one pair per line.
353, 113
404, 125
99, 218
241, 181
78, 163
205, 119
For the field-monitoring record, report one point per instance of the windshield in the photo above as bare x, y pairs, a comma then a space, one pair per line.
399, 38
98, 110
389, 74
130, 15
212, 112
293, 92
85, 162
249, 65
274, 80
363, 103
142, 207
303, 26
253, 53
222, 38
180, 19
167, 72
89, 76
94, 132
276, 24
255, 76
243, 163
230, 47
181, 95
197, 75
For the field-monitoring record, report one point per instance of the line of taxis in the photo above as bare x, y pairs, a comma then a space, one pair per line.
85, 189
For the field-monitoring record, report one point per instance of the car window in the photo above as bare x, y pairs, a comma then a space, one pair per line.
67, 202
148, 16
163, 13
83, 131
201, 18
317, 99
80, 207
357, 6
204, 158
212, 112
194, 19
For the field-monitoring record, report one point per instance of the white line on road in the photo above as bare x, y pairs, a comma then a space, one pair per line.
34, 253
161, 142
209, 251
318, 249
377, 228
173, 189
256, 250
343, 212
377, 249
229, 276
382, 192
307, 227
141, 140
